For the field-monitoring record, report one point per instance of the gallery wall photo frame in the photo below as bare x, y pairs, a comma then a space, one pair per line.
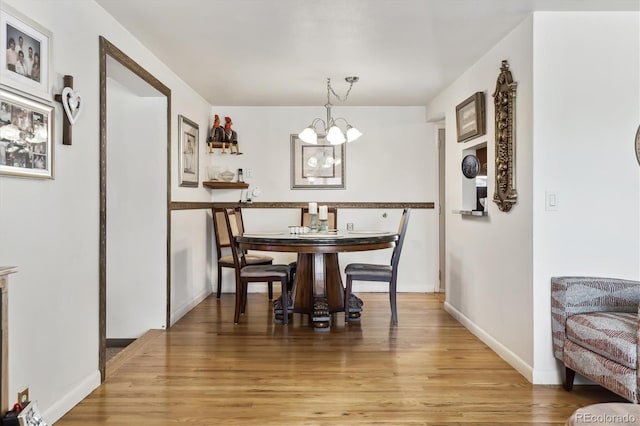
188, 149
21, 33
317, 166
26, 136
470, 117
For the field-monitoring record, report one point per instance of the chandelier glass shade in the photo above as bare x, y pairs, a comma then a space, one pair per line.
329, 129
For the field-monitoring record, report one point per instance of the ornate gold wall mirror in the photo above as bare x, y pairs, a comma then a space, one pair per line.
505, 195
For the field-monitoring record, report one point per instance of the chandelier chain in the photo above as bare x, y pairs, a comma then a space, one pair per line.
330, 89
330, 130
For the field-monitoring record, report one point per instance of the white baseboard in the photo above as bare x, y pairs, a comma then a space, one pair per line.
185, 308
72, 398
502, 351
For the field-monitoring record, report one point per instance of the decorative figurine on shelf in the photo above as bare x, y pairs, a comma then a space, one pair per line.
216, 135
231, 137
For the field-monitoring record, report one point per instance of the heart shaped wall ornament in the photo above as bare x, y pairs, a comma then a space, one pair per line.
72, 104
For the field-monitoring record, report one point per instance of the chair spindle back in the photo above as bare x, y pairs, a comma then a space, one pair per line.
402, 230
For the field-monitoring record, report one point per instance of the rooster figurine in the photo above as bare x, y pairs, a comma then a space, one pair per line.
231, 137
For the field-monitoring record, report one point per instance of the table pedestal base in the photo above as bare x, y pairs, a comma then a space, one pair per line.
321, 317
318, 291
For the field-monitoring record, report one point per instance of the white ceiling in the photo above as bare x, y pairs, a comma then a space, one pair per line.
280, 52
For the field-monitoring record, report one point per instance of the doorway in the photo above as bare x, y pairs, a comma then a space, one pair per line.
441, 208
134, 267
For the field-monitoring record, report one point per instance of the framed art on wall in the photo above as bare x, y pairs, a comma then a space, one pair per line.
26, 136
320, 166
470, 117
188, 136
26, 65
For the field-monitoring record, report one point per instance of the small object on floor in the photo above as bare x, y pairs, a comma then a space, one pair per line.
612, 413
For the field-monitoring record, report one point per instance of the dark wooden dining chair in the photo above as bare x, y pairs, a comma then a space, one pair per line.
223, 242
246, 273
381, 273
305, 220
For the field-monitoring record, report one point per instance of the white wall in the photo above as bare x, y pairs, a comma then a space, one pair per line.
136, 212
578, 105
395, 160
50, 229
192, 267
489, 260
587, 110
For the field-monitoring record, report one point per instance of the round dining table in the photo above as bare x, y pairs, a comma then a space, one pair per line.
318, 290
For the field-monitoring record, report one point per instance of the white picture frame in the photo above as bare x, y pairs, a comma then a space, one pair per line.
17, 27
188, 149
26, 136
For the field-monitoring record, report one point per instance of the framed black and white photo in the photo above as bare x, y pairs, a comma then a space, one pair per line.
188, 151
470, 117
26, 136
26, 65
320, 166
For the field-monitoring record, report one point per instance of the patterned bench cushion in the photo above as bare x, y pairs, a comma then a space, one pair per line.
610, 334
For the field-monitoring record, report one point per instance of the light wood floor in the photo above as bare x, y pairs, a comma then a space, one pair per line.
428, 371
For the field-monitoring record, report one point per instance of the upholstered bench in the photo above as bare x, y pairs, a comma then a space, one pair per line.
595, 331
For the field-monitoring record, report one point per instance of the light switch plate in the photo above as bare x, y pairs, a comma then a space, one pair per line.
551, 201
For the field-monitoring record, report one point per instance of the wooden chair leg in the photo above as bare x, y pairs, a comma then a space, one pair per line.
347, 296
219, 281
569, 375
392, 301
292, 277
270, 289
239, 300
245, 291
285, 300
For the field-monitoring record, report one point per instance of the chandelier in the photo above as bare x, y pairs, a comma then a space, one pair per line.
330, 130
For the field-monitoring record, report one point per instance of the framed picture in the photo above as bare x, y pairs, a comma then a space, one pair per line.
26, 136
30, 416
470, 117
317, 166
27, 63
188, 138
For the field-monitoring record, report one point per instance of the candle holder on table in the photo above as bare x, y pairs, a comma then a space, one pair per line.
313, 223
323, 225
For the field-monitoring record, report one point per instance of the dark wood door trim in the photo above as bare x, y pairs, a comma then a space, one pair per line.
110, 50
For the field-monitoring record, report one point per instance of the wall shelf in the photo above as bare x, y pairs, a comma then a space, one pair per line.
215, 184
470, 212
